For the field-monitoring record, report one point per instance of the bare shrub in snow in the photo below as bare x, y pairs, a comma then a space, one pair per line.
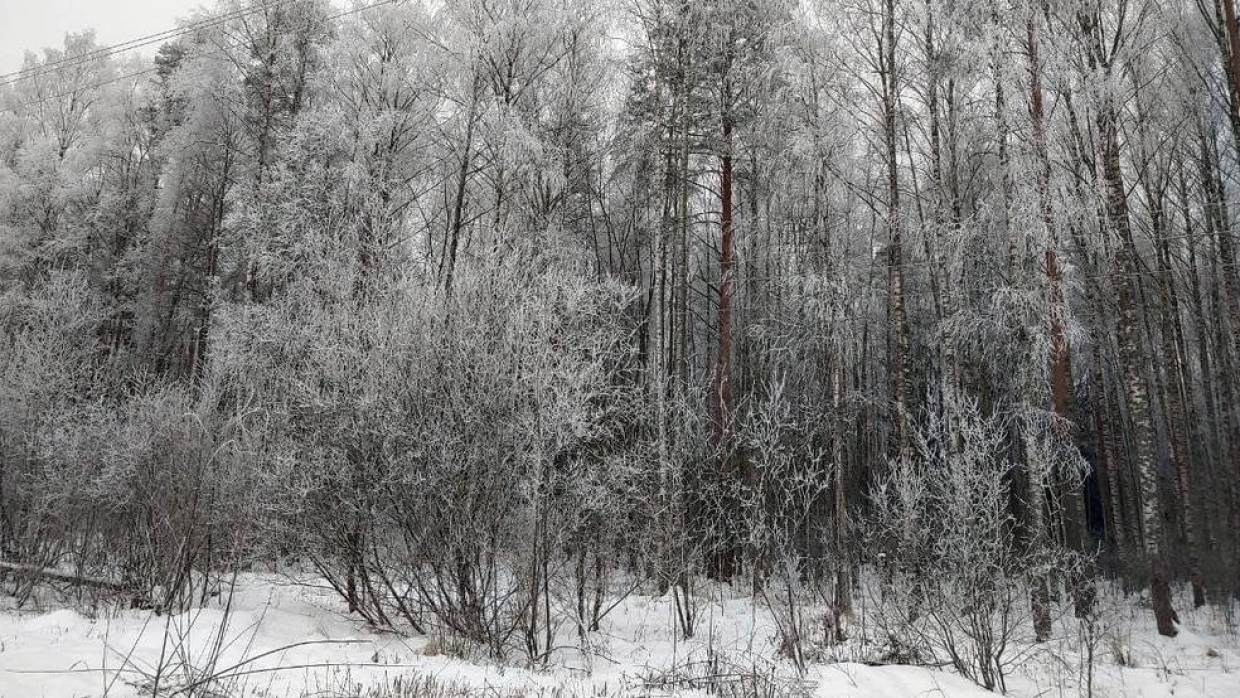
953, 572
461, 459
144, 487
786, 496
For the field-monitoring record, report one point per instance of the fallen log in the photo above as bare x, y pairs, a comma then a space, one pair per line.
136, 599
56, 576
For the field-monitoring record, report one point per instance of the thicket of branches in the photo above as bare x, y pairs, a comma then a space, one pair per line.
489, 310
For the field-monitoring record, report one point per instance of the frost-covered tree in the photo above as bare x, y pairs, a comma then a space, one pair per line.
486, 310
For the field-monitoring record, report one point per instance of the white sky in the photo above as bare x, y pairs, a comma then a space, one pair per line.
36, 24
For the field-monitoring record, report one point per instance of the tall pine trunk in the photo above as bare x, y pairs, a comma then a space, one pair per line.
725, 558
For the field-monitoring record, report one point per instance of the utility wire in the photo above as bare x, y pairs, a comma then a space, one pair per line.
107, 51
147, 71
92, 86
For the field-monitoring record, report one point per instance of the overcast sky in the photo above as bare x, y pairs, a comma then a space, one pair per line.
35, 24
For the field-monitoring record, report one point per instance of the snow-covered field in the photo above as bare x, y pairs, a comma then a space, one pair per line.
283, 637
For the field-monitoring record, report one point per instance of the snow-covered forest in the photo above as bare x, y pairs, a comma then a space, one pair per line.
610, 347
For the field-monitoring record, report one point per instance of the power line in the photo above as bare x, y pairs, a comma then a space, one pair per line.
71, 61
69, 93
147, 71
107, 51
356, 10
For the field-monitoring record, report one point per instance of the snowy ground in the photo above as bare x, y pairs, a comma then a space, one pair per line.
285, 639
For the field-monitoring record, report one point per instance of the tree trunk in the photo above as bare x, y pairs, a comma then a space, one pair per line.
447, 263
898, 320
1060, 366
725, 558
843, 576
1132, 360
1174, 395
1108, 468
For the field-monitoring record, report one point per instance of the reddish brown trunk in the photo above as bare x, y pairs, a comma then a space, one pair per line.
723, 385
725, 557
1060, 368
1233, 43
1060, 371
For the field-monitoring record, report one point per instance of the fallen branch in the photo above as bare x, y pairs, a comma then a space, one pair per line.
53, 575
